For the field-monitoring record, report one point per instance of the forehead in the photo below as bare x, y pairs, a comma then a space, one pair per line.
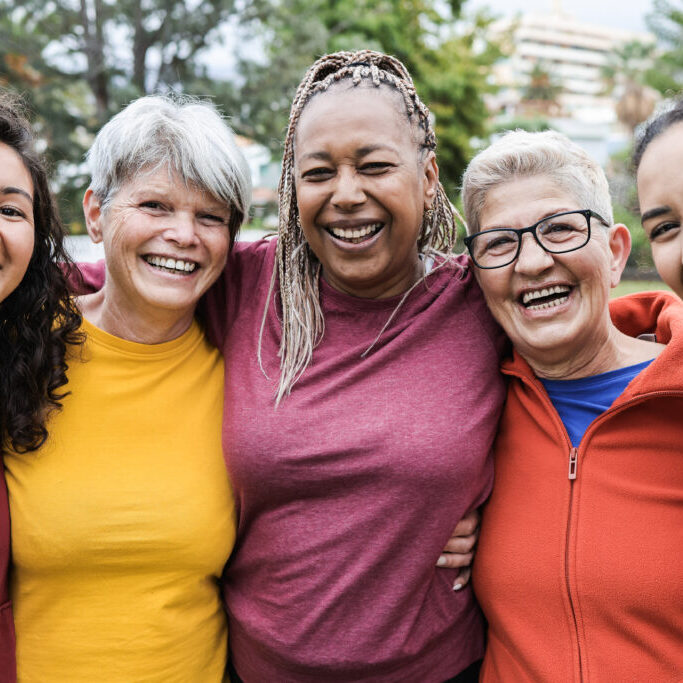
164, 181
522, 201
13, 171
666, 148
354, 115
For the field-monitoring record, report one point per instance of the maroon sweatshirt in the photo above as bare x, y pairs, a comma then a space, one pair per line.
347, 492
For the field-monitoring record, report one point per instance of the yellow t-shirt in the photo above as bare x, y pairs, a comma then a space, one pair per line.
122, 522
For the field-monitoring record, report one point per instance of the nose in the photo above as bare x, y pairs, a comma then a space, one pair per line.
348, 190
181, 229
533, 258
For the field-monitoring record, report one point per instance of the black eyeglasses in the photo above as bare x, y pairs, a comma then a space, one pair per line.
556, 234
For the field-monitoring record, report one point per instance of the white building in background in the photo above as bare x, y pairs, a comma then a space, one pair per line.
574, 54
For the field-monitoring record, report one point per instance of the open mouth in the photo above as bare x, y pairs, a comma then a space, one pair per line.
548, 297
356, 235
171, 265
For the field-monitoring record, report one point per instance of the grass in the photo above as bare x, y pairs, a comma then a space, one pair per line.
631, 286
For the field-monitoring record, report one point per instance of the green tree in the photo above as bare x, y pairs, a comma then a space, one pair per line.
626, 74
666, 22
79, 61
540, 96
449, 60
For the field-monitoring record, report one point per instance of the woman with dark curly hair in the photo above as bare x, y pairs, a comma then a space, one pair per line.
37, 318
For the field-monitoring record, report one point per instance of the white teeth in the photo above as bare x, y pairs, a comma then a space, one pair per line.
540, 293
176, 265
355, 233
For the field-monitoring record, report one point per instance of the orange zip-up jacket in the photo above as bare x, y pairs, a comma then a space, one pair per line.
579, 569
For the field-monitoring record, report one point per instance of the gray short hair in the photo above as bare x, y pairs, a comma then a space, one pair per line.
185, 135
519, 154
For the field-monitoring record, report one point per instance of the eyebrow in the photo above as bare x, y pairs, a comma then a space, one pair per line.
653, 213
16, 190
361, 152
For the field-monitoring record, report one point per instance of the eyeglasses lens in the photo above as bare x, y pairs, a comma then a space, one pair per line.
557, 234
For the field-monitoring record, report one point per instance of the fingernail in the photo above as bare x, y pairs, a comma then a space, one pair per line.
441, 561
457, 586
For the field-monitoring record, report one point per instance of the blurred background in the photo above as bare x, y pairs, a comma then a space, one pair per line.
592, 70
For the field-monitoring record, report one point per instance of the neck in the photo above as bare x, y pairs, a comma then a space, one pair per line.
611, 351
388, 288
153, 326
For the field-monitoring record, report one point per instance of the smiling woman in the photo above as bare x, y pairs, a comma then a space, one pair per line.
588, 477
657, 159
116, 569
37, 320
377, 393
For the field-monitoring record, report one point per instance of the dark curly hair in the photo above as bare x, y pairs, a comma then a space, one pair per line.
655, 127
38, 319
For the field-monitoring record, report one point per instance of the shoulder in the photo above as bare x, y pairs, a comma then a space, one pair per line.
657, 312
460, 285
248, 269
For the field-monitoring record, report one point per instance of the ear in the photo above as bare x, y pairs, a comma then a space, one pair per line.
92, 210
620, 248
431, 178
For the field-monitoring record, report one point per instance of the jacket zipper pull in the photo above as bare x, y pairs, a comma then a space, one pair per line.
573, 462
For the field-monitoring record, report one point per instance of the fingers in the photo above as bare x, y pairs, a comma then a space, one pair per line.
461, 544
454, 560
468, 524
462, 579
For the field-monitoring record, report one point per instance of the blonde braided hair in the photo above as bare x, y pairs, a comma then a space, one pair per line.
297, 269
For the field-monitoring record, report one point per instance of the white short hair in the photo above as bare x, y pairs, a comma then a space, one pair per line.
183, 134
519, 154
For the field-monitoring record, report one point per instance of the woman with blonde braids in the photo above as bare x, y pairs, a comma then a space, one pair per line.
373, 394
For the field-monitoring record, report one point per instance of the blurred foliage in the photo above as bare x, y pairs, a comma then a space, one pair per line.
666, 22
628, 71
77, 62
449, 60
626, 210
542, 86
531, 124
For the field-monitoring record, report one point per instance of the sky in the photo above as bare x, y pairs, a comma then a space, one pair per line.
624, 14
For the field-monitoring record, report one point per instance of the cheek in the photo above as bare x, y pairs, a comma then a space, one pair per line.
26, 244
218, 244
496, 288
18, 241
667, 259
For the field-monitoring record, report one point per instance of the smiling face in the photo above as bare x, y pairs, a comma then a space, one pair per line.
660, 192
362, 186
16, 220
165, 243
554, 307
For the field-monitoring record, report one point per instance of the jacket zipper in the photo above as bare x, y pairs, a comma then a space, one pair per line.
573, 471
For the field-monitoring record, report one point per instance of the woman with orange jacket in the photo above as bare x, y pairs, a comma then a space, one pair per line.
578, 568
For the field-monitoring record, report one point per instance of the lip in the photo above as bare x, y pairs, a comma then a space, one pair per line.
350, 246
545, 312
352, 224
164, 273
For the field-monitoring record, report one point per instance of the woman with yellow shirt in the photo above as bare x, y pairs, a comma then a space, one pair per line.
123, 520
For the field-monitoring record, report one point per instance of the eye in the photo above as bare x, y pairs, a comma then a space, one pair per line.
559, 231
11, 212
376, 167
496, 243
152, 204
212, 219
318, 174
664, 230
